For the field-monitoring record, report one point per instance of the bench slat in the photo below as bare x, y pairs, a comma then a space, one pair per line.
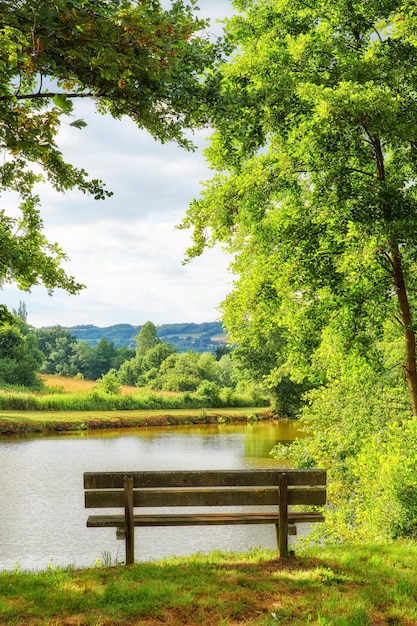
196, 519
203, 478
240, 496
213, 488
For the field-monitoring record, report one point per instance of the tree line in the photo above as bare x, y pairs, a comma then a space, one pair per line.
154, 364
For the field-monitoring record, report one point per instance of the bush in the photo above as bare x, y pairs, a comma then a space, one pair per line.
109, 383
361, 432
386, 474
210, 393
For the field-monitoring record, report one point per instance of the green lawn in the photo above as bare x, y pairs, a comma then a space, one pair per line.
14, 422
341, 585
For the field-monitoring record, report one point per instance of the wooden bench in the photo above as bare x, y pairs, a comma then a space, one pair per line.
277, 489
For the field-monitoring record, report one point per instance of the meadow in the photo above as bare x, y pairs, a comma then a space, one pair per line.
67, 404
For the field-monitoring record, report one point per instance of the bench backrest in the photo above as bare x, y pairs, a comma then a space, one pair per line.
205, 488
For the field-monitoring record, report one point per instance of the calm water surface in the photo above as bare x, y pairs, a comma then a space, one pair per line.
42, 514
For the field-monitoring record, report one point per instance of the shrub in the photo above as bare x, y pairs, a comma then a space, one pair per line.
109, 383
361, 432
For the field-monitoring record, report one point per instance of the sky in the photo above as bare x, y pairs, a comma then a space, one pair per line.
126, 249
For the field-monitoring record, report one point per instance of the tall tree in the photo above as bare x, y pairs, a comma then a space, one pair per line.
102, 358
316, 195
146, 339
130, 58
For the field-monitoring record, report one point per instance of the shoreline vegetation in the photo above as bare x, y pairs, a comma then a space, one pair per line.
32, 422
335, 585
68, 404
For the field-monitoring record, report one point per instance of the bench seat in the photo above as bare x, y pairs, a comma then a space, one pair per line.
222, 491
196, 519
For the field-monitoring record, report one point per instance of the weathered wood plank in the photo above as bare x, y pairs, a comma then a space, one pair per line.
215, 478
282, 527
223, 496
292, 530
129, 523
196, 519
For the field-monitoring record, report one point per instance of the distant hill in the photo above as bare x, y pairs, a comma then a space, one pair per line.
205, 337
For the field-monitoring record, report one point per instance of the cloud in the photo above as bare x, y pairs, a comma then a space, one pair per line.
126, 249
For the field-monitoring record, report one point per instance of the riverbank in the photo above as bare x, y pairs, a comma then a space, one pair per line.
31, 422
344, 585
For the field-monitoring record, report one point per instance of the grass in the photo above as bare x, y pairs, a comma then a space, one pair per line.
68, 404
13, 422
64, 384
342, 585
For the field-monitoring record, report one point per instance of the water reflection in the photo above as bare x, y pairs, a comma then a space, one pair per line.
42, 515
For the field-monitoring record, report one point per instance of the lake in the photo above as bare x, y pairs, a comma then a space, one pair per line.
42, 514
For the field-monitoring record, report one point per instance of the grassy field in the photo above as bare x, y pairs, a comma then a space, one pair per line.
67, 404
13, 422
63, 384
341, 585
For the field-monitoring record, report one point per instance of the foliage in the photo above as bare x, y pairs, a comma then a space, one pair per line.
385, 471
260, 354
146, 339
66, 356
316, 191
210, 392
20, 359
102, 359
101, 400
157, 364
129, 58
58, 348
361, 432
187, 371
149, 355
109, 383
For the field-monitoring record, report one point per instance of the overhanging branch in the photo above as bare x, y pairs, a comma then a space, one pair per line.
47, 95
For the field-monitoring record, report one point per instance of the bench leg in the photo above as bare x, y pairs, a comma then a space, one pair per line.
282, 527
129, 525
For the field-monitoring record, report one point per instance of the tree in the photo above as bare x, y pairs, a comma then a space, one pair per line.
20, 359
109, 383
316, 195
146, 339
21, 311
152, 360
149, 355
102, 358
186, 371
179, 372
130, 58
59, 349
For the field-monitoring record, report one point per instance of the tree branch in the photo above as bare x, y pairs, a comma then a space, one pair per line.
48, 95
354, 169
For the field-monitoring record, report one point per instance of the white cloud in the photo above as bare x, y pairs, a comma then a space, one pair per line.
126, 249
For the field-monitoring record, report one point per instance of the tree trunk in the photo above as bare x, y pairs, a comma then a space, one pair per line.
409, 366
410, 369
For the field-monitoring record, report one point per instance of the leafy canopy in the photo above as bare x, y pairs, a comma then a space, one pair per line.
131, 58
315, 194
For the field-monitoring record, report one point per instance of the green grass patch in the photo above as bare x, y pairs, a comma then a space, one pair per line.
15, 422
342, 585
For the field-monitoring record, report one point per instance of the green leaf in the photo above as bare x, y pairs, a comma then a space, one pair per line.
79, 124
63, 103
